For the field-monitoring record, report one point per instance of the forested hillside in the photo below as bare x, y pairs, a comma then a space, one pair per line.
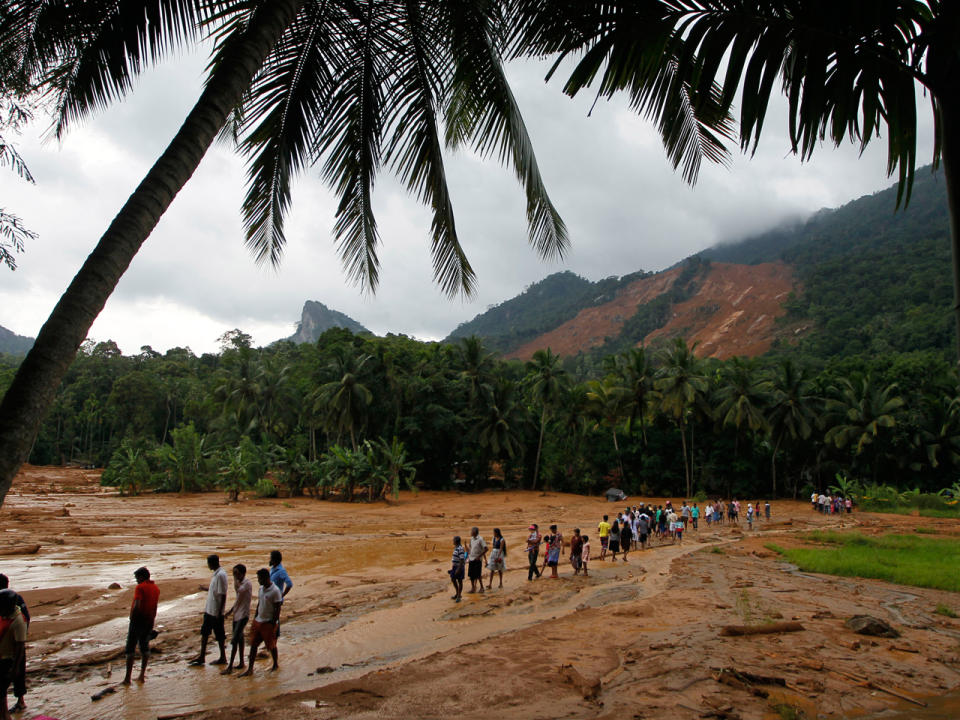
14, 344
864, 278
541, 307
869, 279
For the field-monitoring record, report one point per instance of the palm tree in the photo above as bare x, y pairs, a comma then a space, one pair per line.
477, 369
636, 374
741, 398
939, 431
680, 384
608, 402
860, 410
848, 70
546, 382
357, 85
792, 410
346, 399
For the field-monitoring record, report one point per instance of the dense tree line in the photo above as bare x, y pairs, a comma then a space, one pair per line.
356, 414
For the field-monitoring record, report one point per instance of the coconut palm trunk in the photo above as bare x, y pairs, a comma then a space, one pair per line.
34, 387
536, 464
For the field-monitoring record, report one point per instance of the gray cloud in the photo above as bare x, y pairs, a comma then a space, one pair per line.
607, 173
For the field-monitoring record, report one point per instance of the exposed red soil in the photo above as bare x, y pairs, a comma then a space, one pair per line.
733, 313
593, 325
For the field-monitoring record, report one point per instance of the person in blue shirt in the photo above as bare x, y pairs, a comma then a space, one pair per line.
280, 578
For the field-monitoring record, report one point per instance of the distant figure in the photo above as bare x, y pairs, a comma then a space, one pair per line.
213, 613
456, 571
576, 551
695, 516
243, 595
585, 554
143, 613
13, 639
533, 551
475, 557
766, 509
554, 550
498, 557
264, 626
603, 531
20, 671
614, 543
280, 578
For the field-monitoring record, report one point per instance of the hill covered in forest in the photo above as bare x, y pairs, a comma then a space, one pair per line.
13, 344
864, 277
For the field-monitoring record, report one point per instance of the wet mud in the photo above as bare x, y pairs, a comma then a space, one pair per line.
369, 630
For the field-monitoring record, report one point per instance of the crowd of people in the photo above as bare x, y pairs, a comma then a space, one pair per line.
635, 527
831, 504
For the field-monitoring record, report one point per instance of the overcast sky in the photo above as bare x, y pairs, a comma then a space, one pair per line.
607, 173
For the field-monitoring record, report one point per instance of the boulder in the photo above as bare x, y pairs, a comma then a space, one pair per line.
869, 625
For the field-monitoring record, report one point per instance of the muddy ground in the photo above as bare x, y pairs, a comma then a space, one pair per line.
370, 631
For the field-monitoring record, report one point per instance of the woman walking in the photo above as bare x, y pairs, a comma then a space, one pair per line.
498, 557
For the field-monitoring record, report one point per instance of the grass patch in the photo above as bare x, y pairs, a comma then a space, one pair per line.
788, 712
902, 559
776, 548
925, 531
945, 611
717, 551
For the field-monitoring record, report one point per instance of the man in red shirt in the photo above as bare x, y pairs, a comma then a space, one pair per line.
142, 614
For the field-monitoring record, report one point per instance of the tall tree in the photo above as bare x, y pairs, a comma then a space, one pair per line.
608, 402
792, 412
356, 85
860, 410
680, 383
546, 380
741, 398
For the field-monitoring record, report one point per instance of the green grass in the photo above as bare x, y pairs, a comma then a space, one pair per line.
945, 611
902, 559
925, 531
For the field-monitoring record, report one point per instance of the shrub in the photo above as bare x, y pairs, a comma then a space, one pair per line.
265, 488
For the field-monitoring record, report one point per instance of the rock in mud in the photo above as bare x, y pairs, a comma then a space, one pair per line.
869, 625
114, 586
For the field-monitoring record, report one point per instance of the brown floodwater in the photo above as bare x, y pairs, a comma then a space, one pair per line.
372, 602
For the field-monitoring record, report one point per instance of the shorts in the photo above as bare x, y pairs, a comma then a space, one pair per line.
475, 569
604, 541
643, 538
213, 625
265, 633
456, 572
138, 634
238, 626
6, 674
614, 546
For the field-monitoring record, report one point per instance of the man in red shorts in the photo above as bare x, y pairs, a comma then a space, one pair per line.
264, 626
143, 613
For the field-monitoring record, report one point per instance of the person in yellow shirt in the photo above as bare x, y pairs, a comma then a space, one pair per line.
603, 530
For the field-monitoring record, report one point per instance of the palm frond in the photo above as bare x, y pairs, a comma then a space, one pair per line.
90, 52
352, 141
482, 111
415, 149
280, 122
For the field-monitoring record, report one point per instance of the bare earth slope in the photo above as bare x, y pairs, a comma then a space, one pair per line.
733, 312
370, 631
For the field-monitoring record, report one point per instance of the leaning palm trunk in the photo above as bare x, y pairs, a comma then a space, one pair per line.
34, 387
536, 464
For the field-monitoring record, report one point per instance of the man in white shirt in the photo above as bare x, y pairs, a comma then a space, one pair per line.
264, 626
243, 594
213, 613
478, 550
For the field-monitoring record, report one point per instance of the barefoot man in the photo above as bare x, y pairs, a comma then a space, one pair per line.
243, 594
213, 613
264, 626
143, 612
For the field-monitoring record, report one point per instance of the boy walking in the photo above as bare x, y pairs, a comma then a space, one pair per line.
143, 613
243, 595
264, 626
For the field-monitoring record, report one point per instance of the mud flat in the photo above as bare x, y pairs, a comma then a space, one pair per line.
369, 630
